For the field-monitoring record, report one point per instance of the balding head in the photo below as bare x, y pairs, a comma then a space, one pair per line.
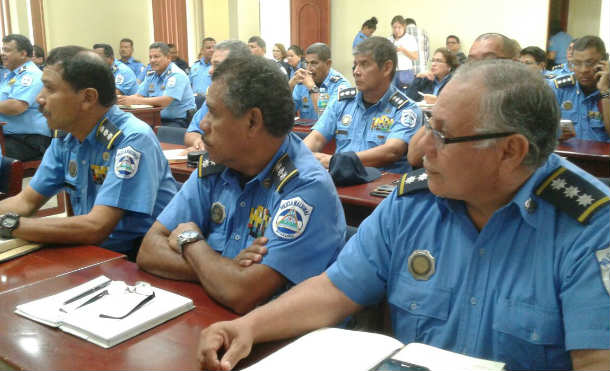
493, 46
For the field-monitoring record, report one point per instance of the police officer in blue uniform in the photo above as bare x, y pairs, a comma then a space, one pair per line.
368, 27
124, 78
200, 76
108, 161
26, 133
507, 260
378, 121
126, 52
318, 86
234, 48
165, 85
583, 96
263, 189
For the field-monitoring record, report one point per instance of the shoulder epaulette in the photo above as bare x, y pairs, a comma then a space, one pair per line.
412, 182
572, 194
59, 133
114, 68
107, 133
136, 61
22, 69
557, 67
398, 100
335, 78
206, 167
349, 93
150, 72
549, 76
564, 81
282, 172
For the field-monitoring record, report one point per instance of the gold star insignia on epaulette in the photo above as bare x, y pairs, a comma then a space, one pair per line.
572, 194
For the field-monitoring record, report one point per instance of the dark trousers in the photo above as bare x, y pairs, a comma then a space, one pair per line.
176, 123
26, 147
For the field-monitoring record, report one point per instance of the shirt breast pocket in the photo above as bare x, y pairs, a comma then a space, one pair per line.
525, 334
377, 137
342, 137
419, 310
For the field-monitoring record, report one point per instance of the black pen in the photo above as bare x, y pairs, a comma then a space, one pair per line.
90, 291
93, 299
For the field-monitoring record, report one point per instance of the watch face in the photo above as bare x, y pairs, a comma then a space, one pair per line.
9, 223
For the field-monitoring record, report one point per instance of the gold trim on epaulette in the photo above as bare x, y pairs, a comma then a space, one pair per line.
401, 189
200, 167
288, 177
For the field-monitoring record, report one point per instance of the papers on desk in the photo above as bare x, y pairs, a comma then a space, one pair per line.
337, 349
175, 155
135, 106
14, 247
424, 105
83, 310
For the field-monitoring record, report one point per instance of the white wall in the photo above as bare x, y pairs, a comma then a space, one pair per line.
604, 23
275, 23
584, 17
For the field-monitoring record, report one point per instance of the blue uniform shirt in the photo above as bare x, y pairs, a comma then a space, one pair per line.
137, 67
360, 37
357, 128
124, 78
333, 82
173, 83
24, 83
524, 290
303, 221
582, 110
200, 77
196, 120
559, 43
132, 175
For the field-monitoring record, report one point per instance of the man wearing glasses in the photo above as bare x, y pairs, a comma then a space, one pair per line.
497, 249
583, 96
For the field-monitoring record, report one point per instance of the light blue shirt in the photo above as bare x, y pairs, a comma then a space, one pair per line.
582, 110
24, 83
174, 83
525, 290
360, 37
303, 221
132, 175
559, 43
196, 120
200, 77
357, 128
333, 82
124, 78
137, 67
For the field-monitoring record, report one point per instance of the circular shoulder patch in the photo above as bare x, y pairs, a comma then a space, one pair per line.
408, 118
118, 79
171, 82
291, 218
26, 80
126, 162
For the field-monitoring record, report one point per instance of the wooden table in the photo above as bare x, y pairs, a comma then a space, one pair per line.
303, 130
180, 171
357, 200
592, 156
151, 115
50, 262
26, 344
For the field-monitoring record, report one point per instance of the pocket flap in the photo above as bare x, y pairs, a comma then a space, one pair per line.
421, 300
528, 322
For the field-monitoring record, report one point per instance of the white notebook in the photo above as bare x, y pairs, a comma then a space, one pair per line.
85, 321
14, 247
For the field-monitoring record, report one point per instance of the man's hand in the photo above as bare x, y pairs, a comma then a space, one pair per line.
127, 100
602, 76
253, 253
235, 340
303, 76
323, 158
173, 237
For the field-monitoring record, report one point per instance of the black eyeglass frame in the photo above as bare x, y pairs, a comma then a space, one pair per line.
469, 138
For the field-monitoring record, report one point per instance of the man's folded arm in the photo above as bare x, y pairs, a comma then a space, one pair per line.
386, 154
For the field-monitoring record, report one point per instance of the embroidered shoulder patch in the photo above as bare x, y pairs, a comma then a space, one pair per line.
291, 218
572, 194
603, 258
26, 80
171, 82
126, 162
412, 182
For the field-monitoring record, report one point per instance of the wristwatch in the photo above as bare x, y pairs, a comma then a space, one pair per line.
314, 90
187, 237
8, 223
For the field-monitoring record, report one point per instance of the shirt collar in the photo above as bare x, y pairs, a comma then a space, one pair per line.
326, 81
91, 137
167, 70
18, 68
380, 103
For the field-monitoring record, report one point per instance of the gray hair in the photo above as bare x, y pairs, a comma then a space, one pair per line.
163, 47
236, 48
515, 99
510, 49
320, 49
380, 49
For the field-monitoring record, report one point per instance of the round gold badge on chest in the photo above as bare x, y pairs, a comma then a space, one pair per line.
421, 264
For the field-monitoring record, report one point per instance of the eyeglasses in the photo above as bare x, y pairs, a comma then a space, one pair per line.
436, 60
580, 64
440, 139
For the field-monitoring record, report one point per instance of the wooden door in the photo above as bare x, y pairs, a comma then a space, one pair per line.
309, 22
169, 20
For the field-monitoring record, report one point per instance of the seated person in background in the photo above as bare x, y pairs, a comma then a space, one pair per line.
294, 57
432, 82
453, 44
558, 43
535, 58
167, 86
258, 46
38, 57
26, 134
315, 83
126, 52
279, 55
564, 68
108, 161
263, 189
452, 248
173, 55
200, 76
377, 121
583, 97
234, 48
124, 78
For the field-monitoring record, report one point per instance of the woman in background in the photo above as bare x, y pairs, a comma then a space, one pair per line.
294, 57
430, 83
279, 54
368, 27
406, 50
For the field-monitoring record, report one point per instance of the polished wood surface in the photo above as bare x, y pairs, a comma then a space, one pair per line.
26, 344
151, 116
357, 200
50, 262
592, 156
180, 170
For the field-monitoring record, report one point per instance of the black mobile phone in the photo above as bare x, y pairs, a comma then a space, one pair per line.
391, 364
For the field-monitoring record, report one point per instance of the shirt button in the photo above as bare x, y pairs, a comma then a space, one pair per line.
473, 301
237, 237
242, 204
413, 306
83, 162
481, 252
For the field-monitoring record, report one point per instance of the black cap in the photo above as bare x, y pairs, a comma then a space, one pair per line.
347, 169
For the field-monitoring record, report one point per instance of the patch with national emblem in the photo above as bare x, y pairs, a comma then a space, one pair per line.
126, 162
291, 218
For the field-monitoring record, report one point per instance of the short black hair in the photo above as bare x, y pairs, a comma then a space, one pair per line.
38, 51
171, 45
22, 42
538, 54
206, 39
590, 41
82, 68
320, 49
236, 48
259, 41
108, 52
410, 21
126, 40
253, 81
296, 49
161, 46
370, 23
380, 49
399, 19
452, 37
